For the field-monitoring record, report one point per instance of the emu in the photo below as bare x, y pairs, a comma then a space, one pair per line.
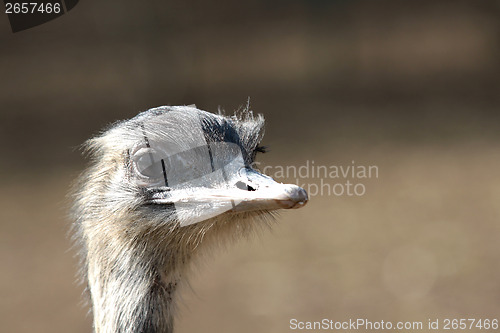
162, 187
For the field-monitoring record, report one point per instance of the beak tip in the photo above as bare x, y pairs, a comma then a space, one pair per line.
298, 197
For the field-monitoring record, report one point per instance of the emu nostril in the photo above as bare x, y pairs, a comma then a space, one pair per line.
243, 186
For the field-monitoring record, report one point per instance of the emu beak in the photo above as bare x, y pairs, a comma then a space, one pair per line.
249, 191
252, 191
264, 193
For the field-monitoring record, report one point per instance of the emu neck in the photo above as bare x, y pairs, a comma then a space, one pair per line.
132, 298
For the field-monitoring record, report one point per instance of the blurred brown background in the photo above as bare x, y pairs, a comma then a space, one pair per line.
409, 86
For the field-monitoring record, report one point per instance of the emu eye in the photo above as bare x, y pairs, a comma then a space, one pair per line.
261, 149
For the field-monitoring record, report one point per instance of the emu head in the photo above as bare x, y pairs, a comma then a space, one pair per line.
160, 186
171, 175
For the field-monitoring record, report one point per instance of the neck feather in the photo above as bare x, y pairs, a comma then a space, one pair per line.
132, 297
